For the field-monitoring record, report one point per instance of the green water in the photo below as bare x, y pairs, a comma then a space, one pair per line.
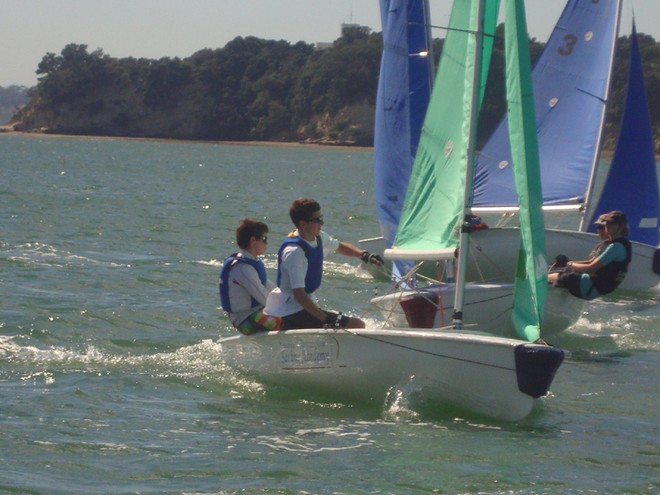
110, 375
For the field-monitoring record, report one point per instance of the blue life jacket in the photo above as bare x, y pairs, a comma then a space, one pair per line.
229, 263
314, 257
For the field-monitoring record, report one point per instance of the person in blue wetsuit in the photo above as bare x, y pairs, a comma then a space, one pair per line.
606, 268
244, 286
300, 269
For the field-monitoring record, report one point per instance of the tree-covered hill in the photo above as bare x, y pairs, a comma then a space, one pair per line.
254, 89
11, 100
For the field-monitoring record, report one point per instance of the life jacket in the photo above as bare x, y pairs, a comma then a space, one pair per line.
600, 247
314, 257
609, 277
229, 263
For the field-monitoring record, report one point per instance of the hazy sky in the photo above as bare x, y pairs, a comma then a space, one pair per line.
178, 28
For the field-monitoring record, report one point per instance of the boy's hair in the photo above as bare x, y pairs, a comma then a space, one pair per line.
303, 209
249, 227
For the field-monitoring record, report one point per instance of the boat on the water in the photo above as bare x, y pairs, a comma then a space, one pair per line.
490, 376
571, 92
571, 87
478, 371
632, 179
488, 307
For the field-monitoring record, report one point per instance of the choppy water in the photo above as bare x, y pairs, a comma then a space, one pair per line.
111, 380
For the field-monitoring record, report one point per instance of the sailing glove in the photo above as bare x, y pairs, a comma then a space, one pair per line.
374, 259
336, 320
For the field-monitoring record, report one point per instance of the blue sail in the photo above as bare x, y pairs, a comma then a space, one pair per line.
404, 88
571, 81
632, 181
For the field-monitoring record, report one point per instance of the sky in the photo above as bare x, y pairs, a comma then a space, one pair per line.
179, 28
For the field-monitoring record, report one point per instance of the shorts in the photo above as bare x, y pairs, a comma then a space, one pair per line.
259, 322
578, 284
301, 319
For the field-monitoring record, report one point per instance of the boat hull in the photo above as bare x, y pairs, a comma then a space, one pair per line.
494, 251
497, 247
486, 305
492, 376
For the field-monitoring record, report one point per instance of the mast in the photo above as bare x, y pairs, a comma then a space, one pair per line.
464, 238
429, 41
592, 179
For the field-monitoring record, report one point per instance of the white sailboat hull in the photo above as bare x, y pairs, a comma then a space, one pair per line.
486, 305
493, 254
488, 375
497, 251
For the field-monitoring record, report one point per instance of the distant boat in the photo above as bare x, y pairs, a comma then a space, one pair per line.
632, 181
486, 374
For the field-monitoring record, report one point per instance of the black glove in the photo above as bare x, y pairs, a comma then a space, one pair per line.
374, 259
561, 261
336, 320
560, 265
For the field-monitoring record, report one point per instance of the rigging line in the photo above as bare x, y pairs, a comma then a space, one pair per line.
480, 301
421, 351
595, 97
447, 28
476, 251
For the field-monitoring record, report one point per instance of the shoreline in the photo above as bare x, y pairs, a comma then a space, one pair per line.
604, 154
282, 144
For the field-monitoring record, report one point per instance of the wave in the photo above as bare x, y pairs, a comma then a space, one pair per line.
43, 254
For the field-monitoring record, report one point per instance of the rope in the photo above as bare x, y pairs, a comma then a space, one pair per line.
421, 351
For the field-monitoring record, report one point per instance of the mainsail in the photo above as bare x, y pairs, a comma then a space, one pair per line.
404, 88
439, 168
571, 85
632, 181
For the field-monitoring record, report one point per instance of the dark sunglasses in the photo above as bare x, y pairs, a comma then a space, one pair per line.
264, 238
318, 219
600, 226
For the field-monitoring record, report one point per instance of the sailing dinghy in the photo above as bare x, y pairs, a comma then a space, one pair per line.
571, 87
429, 306
633, 173
489, 375
571, 84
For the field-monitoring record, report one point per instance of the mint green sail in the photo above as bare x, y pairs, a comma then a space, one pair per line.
434, 200
531, 277
439, 193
